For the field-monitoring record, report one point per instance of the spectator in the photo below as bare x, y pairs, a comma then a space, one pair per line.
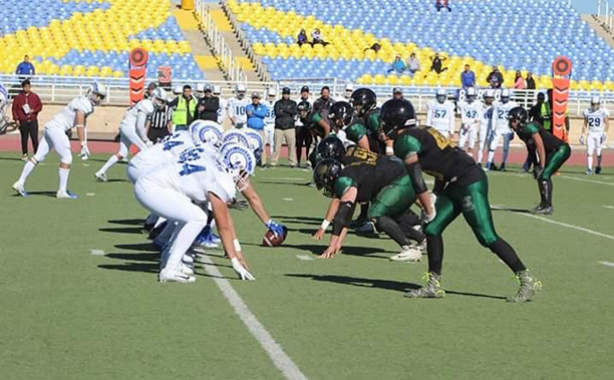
285, 112
519, 83
530, 81
302, 38
256, 113
208, 105
160, 124
375, 47
398, 65
468, 78
316, 38
413, 64
397, 93
437, 64
443, 4
324, 101
26, 108
303, 133
25, 69
185, 109
541, 112
495, 78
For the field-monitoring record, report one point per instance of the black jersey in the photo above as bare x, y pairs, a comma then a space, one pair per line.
368, 176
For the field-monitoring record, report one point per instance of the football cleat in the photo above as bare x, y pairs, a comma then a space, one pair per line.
432, 289
598, 170
502, 168
173, 275
66, 195
367, 228
408, 254
543, 210
589, 171
19, 189
188, 259
420, 247
101, 177
187, 270
529, 285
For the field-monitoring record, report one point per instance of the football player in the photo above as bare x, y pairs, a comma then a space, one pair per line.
460, 187
269, 120
440, 114
237, 105
485, 123
364, 127
596, 121
548, 153
223, 110
132, 129
500, 129
382, 181
471, 115
74, 115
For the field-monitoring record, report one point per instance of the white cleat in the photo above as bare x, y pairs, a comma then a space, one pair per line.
19, 189
101, 177
170, 275
408, 255
187, 270
188, 259
66, 195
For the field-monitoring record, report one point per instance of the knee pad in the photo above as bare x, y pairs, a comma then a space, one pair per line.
66, 160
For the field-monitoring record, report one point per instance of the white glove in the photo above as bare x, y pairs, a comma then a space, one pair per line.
241, 271
430, 217
148, 143
603, 138
85, 153
581, 139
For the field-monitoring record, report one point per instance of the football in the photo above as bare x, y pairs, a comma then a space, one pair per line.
269, 239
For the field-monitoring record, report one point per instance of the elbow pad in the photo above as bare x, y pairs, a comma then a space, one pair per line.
342, 218
415, 174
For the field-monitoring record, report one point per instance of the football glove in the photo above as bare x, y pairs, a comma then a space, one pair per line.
148, 143
581, 139
85, 153
239, 205
276, 228
603, 138
241, 271
537, 171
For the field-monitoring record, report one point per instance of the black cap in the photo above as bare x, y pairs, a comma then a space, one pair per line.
26, 82
304, 89
285, 90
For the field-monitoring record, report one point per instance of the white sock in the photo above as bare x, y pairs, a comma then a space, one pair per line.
183, 241
110, 162
27, 169
491, 156
590, 162
480, 156
64, 179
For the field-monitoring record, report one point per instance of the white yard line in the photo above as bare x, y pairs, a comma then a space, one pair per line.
305, 257
607, 263
608, 207
567, 225
97, 252
281, 360
587, 180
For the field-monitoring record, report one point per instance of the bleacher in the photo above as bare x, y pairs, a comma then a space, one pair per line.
92, 38
515, 35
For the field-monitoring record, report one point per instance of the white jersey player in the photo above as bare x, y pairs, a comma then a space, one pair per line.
222, 112
237, 106
269, 119
597, 124
132, 129
74, 115
471, 112
485, 123
174, 192
500, 129
440, 114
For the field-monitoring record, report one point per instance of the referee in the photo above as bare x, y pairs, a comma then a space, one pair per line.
160, 123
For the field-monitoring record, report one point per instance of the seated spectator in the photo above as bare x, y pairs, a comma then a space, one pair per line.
468, 77
530, 81
398, 65
437, 64
443, 4
25, 69
375, 47
302, 38
316, 38
519, 83
495, 78
413, 64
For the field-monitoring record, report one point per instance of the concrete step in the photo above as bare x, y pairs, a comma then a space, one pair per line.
597, 23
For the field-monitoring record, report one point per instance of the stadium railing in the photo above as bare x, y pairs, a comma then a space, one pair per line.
60, 89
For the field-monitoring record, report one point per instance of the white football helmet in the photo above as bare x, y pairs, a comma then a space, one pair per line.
595, 103
240, 90
239, 162
472, 94
177, 90
158, 97
505, 96
206, 132
235, 136
441, 95
217, 90
349, 89
200, 90
271, 92
96, 93
255, 140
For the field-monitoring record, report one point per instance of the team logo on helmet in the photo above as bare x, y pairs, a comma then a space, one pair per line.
239, 162
207, 132
235, 136
255, 140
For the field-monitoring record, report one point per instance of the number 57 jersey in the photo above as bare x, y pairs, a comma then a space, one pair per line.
195, 174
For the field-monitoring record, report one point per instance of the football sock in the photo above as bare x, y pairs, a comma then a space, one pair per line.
64, 179
364, 211
480, 156
27, 169
590, 162
392, 229
549, 193
598, 161
543, 192
407, 223
491, 157
183, 241
505, 153
434, 247
506, 253
110, 162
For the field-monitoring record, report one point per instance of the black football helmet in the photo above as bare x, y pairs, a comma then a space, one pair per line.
325, 174
397, 114
331, 147
304, 106
365, 99
520, 114
341, 114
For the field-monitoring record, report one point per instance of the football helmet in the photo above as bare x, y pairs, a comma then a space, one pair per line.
330, 147
235, 136
206, 132
595, 103
505, 96
96, 93
239, 162
397, 114
325, 174
441, 95
341, 114
363, 100
471, 94
520, 114
158, 97
240, 90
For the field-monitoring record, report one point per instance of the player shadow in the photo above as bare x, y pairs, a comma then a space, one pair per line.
286, 183
10, 159
142, 256
317, 250
128, 222
299, 220
123, 230
512, 209
114, 180
50, 194
382, 284
133, 267
148, 247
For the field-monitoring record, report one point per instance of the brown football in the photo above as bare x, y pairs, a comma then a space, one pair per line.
269, 239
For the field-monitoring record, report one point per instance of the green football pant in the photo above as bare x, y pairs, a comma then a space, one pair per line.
555, 161
393, 200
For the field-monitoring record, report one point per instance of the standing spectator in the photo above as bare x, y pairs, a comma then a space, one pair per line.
437, 63
495, 78
256, 113
413, 64
26, 108
223, 110
185, 109
519, 83
25, 69
208, 105
303, 133
468, 78
285, 112
324, 101
316, 38
301, 39
530, 81
397, 66
443, 4
160, 124
541, 112
397, 93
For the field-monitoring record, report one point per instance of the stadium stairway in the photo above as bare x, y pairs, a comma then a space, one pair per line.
597, 24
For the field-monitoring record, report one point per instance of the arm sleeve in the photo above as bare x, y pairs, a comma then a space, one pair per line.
452, 118
415, 174
261, 111
14, 108
173, 103
429, 117
231, 109
141, 120
278, 111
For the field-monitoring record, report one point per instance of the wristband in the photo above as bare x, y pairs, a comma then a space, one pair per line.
79, 126
389, 151
325, 224
237, 245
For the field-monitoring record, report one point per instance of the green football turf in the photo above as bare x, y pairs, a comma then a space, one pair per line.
68, 314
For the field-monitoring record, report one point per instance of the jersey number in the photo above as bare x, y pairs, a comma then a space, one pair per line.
171, 144
594, 122
502, 114
471, 114
240, 110
186, 157
440, 114
362, 154
441, 140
